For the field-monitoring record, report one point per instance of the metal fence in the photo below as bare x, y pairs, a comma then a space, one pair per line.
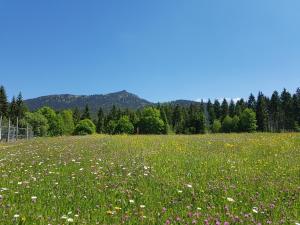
10, 132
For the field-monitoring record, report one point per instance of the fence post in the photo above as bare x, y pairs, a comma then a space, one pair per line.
0, 127
8, 130
17, 131
27, 132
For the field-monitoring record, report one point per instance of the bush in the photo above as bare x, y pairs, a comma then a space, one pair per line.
216, 127
227, 124
150, 122
38, 123
248, 121
124, 126
55, 121
85, 127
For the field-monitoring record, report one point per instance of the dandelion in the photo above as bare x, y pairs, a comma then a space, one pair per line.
230, 199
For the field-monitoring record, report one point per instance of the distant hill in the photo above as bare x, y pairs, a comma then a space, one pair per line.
122, 99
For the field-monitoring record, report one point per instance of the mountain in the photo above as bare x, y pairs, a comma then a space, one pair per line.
122, 99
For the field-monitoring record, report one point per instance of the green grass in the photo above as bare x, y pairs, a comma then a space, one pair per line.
235, 178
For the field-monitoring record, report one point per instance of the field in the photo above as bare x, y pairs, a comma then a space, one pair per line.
208, 179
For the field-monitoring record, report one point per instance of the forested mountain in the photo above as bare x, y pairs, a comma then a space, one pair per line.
122, 99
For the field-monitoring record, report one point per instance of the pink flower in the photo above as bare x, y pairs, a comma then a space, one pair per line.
226, 223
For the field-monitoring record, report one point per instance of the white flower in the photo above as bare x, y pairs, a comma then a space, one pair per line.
34, 198
64, 217
179, 191
189, 185
131, 201
255, 209
297, 223
230, 199
142, 206
70, 220
16, 216
1, 197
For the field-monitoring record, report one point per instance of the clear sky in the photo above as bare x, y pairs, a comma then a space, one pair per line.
159, 49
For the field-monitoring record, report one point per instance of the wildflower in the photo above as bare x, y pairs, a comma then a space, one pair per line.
255, 209
168, 222
16, 216
70, 220
131, 201
33, 199
64, 217
179, 191
226, 223
230, 199
142, 206
189, 185
118, 208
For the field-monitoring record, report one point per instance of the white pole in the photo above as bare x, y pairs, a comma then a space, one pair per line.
17, 132
8, 131
27, 132
0, 127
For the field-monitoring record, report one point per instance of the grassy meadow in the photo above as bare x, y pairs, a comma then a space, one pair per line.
203, 179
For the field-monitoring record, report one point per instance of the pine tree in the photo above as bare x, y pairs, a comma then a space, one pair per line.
297, 106
76, 115
274, 111
231, 109
86, 113
178, 119
21, 108
287, 110
211, 112
217, 109
251, 104
100, 121
3, 102
261, 113
13, 108
165, 119
224, 109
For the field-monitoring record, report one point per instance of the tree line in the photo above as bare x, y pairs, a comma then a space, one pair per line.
278, 113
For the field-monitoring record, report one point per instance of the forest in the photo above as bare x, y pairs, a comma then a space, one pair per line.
278, 113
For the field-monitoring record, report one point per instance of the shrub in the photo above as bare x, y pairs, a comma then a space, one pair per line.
85, 127
124, 126
216, 127
248, 121
227, 124
150, 122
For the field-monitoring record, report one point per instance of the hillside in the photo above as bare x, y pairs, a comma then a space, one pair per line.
122, 99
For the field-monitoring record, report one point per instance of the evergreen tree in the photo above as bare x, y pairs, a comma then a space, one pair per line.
296, 106
3, 102
240, 106
251, 104
231, 109
224, 109
217, 109
165, 119
178, 120
261, 113
20, 107
13, 110
235, 124
100, 121
274, 111
76, 115
288, 121
211, 112
86, 113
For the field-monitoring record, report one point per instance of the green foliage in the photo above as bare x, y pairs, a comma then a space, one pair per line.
248, 121
54, 121
38, 123
68, 122
86, 113
227, 124
150, 122
85, 127
3, 102
124, 126
76, 116
111, 126
235, 124
100, 122
216, 127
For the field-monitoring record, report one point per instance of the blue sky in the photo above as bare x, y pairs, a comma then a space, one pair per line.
159, 49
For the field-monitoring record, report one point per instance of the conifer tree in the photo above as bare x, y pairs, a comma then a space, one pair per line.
76, 115
211, 112
86, 113
231, 108
224, 109
274, 112
261, 113
251, 104
287, 110
3, 102
13, 110
217, 109
100, 121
